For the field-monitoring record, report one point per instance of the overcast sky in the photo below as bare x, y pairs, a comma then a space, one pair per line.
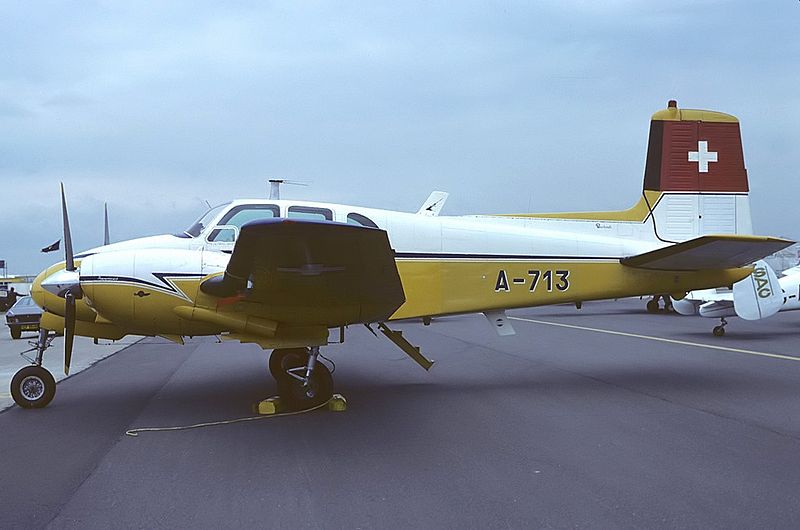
509, 106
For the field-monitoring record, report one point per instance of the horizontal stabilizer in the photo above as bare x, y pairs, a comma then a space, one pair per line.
708, 252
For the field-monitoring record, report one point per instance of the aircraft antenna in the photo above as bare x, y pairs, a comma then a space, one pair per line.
106, 236
275, 187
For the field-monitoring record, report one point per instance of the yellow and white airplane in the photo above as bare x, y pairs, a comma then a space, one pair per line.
284, 273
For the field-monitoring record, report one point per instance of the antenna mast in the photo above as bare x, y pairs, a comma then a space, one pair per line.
275, 189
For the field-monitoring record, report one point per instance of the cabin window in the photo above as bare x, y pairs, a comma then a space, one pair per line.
312, 214
223, 234
360, 220
238, 217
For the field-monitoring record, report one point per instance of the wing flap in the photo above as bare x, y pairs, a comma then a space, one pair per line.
312, 272
708, 252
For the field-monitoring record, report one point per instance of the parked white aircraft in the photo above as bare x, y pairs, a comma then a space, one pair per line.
760, 295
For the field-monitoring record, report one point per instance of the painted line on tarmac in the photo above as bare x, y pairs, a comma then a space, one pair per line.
660, 339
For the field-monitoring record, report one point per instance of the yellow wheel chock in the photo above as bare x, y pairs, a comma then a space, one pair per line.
273, 405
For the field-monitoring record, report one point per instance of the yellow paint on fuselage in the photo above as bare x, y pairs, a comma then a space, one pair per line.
432, 287
151, 314
147, 311
83, 328
438, 287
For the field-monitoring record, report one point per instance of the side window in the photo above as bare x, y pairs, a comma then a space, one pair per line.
312, 214
239, 216
223, 234
358, 219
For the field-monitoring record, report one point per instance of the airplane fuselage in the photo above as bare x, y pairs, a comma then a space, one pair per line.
447, 265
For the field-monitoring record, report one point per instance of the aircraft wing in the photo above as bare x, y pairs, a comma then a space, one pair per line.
312, 272
752, 298
708, 252
710, 295
717, 309
702, 301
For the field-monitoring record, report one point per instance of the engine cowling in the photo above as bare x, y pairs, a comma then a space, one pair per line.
141, 288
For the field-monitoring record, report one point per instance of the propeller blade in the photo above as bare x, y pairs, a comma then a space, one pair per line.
67, 235
106, 238
69, 330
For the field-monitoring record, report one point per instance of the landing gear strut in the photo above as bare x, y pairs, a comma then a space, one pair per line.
653, 304
303, 381
33, 387
719, 331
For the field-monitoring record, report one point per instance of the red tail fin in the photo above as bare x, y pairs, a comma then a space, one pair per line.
694, 150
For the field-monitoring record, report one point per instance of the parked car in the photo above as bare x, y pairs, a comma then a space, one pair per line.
23, 316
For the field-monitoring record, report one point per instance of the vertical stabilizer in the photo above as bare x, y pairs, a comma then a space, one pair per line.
695, 162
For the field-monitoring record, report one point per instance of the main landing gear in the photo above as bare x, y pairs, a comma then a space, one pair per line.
304, 382
33, 387
654, 307
719, 331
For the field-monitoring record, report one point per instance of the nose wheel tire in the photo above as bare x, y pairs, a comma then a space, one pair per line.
299, 396
33, 387
718, 331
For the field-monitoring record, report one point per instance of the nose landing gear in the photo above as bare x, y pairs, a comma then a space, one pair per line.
33, 387
719, 331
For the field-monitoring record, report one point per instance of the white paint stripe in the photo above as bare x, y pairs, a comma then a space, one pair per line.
660, 339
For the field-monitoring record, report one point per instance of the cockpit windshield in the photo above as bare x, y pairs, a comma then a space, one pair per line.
205, 219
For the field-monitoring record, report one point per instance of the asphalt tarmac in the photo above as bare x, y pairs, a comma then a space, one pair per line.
86, 353
555, 427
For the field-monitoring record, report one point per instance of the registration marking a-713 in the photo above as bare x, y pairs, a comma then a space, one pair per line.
551, 279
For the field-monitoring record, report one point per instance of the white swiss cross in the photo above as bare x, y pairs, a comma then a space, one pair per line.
702, 156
